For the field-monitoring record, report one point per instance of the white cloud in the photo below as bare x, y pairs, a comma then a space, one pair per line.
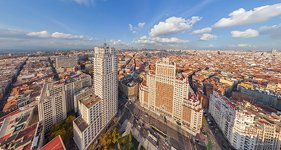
84, 2
173, 25
118, 43
208, 37
273, 27
202, 31
155, 40
273, 31
114, 42
17, 39
245, 45
242, 17
141, 24
134, 29
242, 45
131, 28
245, 34
12, 33
39, 34
60, 35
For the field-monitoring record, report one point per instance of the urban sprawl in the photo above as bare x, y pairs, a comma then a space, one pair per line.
110, 98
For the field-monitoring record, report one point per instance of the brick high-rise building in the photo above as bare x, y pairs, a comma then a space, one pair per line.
171, 97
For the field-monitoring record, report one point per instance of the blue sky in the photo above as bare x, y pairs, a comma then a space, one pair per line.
185, 24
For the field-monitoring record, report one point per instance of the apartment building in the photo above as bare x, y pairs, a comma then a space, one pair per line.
88, 125
246, 125
244, 135
73, 85
223, 112
105, 80
171, 97
52, 107
66, 62
97, 105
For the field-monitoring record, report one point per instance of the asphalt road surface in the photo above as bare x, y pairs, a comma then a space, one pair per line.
174, 138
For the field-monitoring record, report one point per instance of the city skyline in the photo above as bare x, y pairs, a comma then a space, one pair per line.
83, 24
146, 99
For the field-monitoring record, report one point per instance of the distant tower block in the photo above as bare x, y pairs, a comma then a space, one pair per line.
273, 51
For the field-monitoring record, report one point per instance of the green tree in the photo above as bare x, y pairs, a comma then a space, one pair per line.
130, 137
103, 140
115, 135
61, 132
56, 127
69, 119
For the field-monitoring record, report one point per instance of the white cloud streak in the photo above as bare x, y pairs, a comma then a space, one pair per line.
245, 45
56, 35
155, 40
202, 31
60, 35
135, 29
243, 17
41, 34
273, 31
208, 37
249, 33
84, 2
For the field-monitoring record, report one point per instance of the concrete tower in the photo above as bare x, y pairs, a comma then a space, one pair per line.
105, 80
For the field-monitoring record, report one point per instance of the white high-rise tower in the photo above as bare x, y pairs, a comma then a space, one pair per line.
97, 105
105, 80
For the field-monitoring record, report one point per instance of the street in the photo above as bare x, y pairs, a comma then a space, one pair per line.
144, 120
215, 134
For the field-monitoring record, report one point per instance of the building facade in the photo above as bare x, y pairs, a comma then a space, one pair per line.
97, 105
52, 107
66, 62
246, 126
129, 88
88, 125
73, 85
105, 80
223, 112
171, 97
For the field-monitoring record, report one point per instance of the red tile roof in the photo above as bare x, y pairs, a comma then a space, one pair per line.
10, 114
54, 144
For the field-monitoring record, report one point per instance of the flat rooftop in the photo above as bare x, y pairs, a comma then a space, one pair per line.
81, 123
90, 100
